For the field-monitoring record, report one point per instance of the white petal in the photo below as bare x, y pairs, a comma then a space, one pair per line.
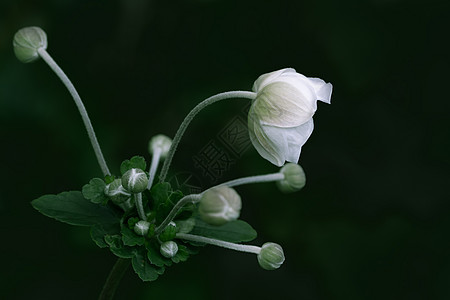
323, 90
284, 105
268, 78
272, 148
296, 138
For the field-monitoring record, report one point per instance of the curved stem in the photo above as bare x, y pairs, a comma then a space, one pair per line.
228, 245
194, 198
254, 179
154, 166
191, 115
139, 206
87, 122
113, 280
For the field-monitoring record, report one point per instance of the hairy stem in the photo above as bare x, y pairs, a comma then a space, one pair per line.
139, 206
183, 201
114, 278
219, 243
87, 122
254, 179
154, 166
191, 115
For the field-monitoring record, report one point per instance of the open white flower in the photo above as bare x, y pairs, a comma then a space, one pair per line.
280, 118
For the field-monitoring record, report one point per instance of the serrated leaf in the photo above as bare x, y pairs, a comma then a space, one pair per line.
160, 193
98, 233
123, 252
130, 238
72, 208
95, 191
182, 254
155, 257
109, 179
234, 231
143, 268
118, 248
135, 162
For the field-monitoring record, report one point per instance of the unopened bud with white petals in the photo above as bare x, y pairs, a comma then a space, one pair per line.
271, 256
169, 249
161, 142
294, 178
220, 205
27, 41
135, 181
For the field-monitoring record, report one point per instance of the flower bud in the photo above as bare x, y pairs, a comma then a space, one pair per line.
162, 142
141, 227
169, 249
169, 232
135, 181
220, 205
27, 41
271, 256
116, 192
294, 178
280, 119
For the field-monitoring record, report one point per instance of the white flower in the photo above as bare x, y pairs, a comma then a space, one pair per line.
280, 118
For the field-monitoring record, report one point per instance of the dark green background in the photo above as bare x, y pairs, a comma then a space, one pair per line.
374, 219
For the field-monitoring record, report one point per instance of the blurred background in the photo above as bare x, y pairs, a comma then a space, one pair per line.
374, 217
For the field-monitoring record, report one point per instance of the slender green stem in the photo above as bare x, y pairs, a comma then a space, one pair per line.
87, 122
193, 198
114, 278
191, 115
154, 166
139, 206
219, 243
254, 179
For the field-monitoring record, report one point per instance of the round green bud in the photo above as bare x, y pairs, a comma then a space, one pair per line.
116, 192
271, 256
27, 41
141, 227
169, 232
169, 249
135, 181
220, 205
161, 142
294, 178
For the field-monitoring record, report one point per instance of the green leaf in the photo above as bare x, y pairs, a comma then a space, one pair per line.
135, 162
109, 179
143, 268
155, 257
73, 208
234, 231
118, 248
164, 199
182, 254
124, 252
98, 233
130, 238
95, 191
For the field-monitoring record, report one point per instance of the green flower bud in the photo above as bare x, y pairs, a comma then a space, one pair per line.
135, 181
27, 41
169, 249
162, 142
271, 256
294, 178
116, 192
141, 227
220, 205
169, 232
